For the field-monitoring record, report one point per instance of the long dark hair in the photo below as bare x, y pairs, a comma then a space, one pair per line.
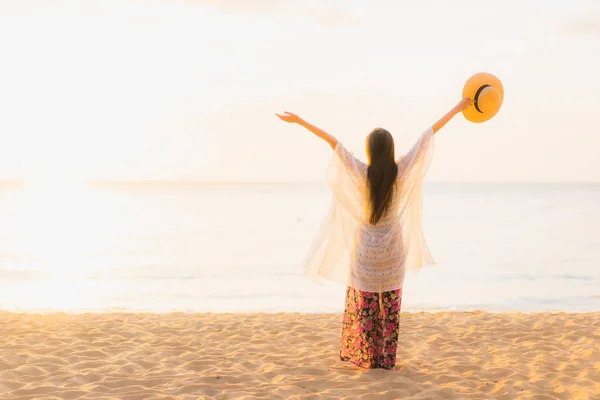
381, 173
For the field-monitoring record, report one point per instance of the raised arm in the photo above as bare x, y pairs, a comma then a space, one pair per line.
293, 118
463, 104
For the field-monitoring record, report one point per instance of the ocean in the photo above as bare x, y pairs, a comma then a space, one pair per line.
193, 247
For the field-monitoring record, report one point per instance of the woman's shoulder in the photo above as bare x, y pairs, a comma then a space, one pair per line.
350, 156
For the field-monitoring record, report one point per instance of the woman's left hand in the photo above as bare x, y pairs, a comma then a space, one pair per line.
289, 117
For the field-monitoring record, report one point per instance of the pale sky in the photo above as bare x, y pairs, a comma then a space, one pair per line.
188, 89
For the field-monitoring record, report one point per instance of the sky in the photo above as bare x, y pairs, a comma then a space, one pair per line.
169, 90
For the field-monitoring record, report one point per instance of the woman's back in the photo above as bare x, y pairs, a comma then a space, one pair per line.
390, 214
350, 249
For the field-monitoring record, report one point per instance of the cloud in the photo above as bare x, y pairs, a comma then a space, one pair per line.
334, 17
587, 26
330, 17
241, 6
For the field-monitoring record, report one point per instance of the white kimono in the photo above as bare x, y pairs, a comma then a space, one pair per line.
350, 251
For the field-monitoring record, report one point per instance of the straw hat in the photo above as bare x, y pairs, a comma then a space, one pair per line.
487, 94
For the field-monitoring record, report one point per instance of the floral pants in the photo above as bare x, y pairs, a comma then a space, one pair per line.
370, 328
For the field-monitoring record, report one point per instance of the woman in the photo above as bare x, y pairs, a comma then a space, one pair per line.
371, 235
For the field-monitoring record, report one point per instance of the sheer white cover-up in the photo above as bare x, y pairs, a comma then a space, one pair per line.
372, 258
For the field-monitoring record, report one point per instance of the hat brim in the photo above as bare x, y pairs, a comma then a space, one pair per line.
470, 89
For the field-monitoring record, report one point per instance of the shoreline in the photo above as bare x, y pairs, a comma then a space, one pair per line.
452, 355
231, 313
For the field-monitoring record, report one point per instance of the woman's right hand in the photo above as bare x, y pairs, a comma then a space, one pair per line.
462, 105
459, 107
289, 117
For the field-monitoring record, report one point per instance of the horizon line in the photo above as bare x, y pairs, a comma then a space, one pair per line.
280, 182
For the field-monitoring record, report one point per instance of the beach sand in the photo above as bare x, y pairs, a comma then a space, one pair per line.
471, 355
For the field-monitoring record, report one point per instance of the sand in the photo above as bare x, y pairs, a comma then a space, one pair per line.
295, 356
